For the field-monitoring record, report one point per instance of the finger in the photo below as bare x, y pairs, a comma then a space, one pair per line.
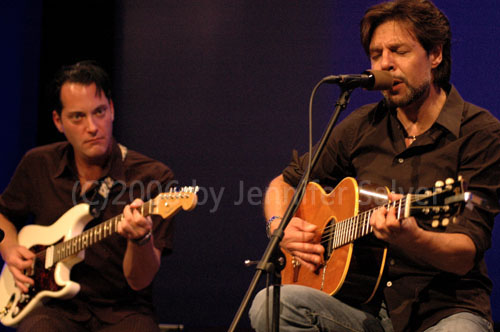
392, 222
22, 287
306, 248
312, 262
292, 235
137, 203
378, 218
394, 197
26, 253
303, 225
21, 278
138, 218
312, 267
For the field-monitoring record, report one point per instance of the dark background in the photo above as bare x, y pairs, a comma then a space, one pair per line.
219, 91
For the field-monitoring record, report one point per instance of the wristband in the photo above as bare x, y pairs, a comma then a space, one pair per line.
268, 225
142, 240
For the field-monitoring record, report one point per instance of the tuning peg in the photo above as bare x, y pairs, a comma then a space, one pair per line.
449, 183
445, 222
439, 184
435, 223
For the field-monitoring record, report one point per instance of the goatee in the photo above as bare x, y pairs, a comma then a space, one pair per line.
414, 94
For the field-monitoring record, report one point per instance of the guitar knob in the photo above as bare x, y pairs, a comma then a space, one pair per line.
445, 222
435, 223
439, 184
24, 298
449, 181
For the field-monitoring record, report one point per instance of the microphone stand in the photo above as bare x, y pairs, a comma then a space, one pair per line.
273, 260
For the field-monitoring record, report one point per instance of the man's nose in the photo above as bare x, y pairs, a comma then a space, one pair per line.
91, 124
387, 61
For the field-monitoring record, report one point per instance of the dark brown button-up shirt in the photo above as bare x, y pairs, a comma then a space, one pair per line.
45, 185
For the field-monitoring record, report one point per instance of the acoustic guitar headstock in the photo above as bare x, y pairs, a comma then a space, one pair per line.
442, 204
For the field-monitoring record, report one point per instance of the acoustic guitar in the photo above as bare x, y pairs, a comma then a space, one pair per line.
354, 260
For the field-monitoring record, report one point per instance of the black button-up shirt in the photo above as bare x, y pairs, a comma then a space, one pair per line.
369, 145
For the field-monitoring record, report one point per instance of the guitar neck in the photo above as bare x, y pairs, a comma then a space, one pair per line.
93, 235
351, 229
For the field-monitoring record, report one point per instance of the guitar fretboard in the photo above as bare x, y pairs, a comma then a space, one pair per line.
91, 236
348, 230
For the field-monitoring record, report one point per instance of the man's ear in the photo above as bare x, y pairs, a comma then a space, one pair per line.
112, 109
436, 56
57, 121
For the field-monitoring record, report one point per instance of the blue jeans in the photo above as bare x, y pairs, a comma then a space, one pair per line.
307, 309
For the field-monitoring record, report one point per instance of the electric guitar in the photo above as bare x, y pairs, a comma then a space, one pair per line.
354, 262
60, 246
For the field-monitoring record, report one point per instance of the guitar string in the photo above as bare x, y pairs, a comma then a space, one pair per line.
41, 255
349, 227
402, 202
172, 194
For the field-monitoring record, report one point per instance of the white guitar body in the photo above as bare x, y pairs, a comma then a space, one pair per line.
12, 300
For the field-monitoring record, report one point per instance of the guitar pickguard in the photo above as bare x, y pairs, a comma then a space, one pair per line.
43, 278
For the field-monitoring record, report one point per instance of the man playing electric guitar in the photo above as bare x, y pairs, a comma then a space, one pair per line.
91, 167
421, 132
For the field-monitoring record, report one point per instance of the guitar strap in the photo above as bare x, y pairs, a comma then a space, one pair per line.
100, 197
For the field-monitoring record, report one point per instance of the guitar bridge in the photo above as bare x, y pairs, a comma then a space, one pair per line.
323, 277
296, 268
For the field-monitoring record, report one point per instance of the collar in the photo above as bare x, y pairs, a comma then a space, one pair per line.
451, 115
114, 168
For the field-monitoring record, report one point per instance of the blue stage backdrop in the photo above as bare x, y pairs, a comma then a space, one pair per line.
219, 91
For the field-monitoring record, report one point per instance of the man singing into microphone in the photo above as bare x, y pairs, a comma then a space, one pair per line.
421, 132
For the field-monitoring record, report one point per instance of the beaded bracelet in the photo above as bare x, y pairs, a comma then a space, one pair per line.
268, 225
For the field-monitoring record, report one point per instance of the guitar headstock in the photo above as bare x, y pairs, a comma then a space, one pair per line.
167, 204
442, 204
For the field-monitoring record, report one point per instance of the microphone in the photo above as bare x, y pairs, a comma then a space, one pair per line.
370, 80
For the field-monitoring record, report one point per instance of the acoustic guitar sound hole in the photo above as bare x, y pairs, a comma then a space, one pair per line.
327, 238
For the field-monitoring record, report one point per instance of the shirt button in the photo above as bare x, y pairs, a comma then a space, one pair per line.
401, 160
389, 284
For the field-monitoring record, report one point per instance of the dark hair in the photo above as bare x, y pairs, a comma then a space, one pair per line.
430, 26
83, 72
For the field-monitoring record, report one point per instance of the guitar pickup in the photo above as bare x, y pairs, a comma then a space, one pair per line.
49, 257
